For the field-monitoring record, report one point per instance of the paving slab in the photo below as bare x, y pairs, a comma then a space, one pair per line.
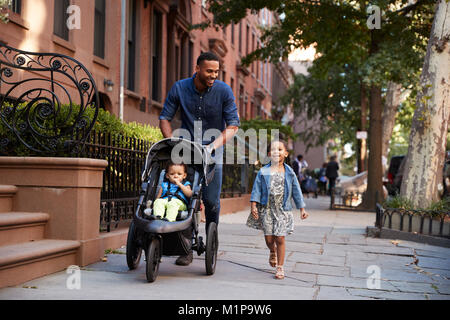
434, 263
335, 293
319, 269
324, 260
404, 286
348, 282
389, 295
394, 274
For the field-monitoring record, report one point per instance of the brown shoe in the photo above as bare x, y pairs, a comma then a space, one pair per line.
273, 259
184, 260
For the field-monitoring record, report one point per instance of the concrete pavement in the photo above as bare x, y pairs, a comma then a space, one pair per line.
327, 257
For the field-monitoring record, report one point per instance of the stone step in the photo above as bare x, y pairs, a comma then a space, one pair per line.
22, 262
17, 227
7, 193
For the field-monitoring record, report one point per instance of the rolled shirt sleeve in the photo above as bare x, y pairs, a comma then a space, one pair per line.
230, 113
297, 194
171, 104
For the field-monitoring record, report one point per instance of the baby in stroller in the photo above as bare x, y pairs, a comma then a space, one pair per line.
173, 194
176, 232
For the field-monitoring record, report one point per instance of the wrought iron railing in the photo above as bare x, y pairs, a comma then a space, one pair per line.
345, 200
425, 222
122, 177
33, 88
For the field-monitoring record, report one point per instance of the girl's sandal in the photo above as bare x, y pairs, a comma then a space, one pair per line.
280, 272
273, 259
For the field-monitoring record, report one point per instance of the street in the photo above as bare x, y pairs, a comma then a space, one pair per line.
327, 257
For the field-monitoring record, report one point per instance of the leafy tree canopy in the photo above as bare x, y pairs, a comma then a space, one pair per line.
338, 29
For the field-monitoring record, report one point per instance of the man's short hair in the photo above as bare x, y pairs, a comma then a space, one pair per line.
299, 157
207, 56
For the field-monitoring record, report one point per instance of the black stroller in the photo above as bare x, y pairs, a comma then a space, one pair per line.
160, 237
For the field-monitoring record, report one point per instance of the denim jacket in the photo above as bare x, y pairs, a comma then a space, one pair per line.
261, 188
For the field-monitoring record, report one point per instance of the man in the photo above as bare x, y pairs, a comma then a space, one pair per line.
332, 173
210, 104
298, 166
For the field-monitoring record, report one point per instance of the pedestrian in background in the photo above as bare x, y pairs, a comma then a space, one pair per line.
298, 166
332, 173
271, 210
323, 179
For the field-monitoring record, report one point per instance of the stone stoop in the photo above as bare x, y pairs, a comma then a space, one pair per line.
6, 197
25, 254
26, 261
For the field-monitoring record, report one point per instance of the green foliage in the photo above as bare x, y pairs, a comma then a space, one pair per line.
326, 107
106, 123
4, 16
340, 33
398, 202
442, 205
258, 124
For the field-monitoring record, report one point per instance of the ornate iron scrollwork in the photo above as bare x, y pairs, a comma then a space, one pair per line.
48, 102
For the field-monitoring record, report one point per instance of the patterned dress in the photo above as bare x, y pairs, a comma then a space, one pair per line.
272, 218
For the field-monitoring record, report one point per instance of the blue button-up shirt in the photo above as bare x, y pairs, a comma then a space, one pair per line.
214, 109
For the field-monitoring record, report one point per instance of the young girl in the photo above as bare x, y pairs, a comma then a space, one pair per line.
275, 185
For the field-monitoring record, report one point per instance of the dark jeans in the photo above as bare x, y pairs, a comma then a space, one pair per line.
211, 197
331, 185
211, 193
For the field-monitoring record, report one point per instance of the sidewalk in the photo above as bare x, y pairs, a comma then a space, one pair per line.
327, 257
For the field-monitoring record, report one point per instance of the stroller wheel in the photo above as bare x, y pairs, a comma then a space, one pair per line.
212, 244
153, 258
134, 251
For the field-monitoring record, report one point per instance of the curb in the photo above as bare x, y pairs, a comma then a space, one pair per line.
385, 233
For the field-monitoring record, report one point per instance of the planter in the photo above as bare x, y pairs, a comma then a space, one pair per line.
414, 221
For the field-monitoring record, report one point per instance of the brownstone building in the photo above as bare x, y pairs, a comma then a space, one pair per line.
160, 49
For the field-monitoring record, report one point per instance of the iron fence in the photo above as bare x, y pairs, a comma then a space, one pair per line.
122, 176
425, 222
345, 200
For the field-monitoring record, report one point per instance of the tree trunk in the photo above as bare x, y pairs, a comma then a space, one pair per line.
374, 192
362, 143
394, 96
422, 179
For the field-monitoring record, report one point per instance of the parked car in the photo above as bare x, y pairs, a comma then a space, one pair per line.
395, 174
396, 170
447, 176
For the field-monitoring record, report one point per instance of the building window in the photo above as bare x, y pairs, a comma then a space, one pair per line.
156, 55
266, 75
132, 15
232, 85
59, 19
247, 39
240, 37
191, 57
15, 6
241, 102
253, 49
99, 28
261, 71
232, 32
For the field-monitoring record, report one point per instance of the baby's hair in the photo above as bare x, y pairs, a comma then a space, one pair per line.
171, 164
